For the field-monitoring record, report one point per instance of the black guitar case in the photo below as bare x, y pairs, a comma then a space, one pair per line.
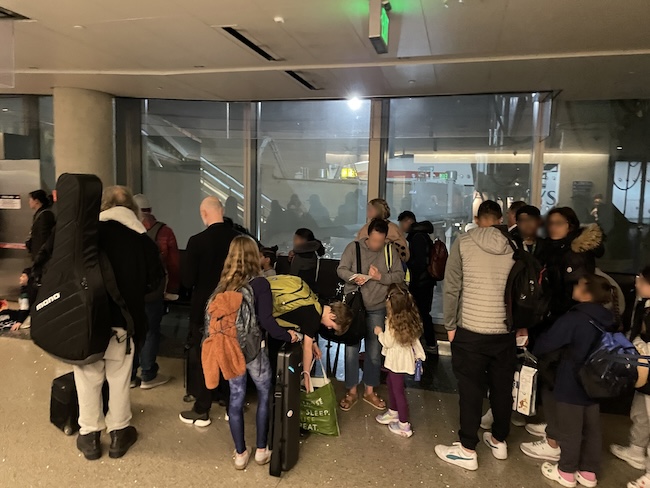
70, 317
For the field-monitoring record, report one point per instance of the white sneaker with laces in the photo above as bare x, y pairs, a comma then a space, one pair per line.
500, 450
642, 482
263, 456
241, 460
401, 429
458, 456
487, 420
541, 450
538, 430
387, 417
631, 456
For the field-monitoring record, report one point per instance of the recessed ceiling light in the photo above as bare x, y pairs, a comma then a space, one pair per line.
620, 148
78, 27
5, 110
411, 82
354, 103
278, 19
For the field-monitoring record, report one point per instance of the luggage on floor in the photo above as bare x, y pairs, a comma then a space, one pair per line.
64, 404
285, 410
318, 406
71, 319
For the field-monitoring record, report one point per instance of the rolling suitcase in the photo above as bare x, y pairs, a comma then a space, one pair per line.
64, 404
285, 410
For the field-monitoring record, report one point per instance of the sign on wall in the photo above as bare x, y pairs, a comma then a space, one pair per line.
9, 202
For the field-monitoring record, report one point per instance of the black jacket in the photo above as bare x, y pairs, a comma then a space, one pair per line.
42, 227
567, 261
420, 244
206, 255
138, 270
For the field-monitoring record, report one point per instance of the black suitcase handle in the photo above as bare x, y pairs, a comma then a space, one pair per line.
275, 467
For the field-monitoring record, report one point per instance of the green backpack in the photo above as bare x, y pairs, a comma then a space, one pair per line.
290, 293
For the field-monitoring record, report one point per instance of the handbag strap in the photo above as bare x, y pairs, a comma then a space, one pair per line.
308, 373
358, 246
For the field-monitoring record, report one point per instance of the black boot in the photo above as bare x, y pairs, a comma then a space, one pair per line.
90, 445
121, 441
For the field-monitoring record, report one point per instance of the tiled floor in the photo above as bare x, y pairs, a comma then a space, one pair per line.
33, 453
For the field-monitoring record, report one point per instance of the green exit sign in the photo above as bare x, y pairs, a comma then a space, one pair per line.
379, 25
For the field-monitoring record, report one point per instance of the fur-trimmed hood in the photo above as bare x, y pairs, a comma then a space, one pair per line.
125, 217
590, 238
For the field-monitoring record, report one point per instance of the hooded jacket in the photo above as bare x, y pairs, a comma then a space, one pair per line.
305, 262
420, 244
568, 260
575, 333
475, 281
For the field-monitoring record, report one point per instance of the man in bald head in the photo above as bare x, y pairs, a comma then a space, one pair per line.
205, 256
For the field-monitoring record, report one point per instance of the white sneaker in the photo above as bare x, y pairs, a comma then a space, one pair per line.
401, 429
241, 460
458, 456
387, 417
541, 450
263, 456
487, 420
500, 450
627, 454
159, 380
538, 430
642, 482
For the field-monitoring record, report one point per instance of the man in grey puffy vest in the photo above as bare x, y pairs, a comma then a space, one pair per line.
483, 349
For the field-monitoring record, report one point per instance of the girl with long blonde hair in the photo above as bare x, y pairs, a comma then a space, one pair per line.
402, 348
242, 271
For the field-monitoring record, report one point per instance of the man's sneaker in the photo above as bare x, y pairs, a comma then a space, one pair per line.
630, 455
538, 430
159, 380
121, 441
387, 417
90, 445
241, 460
642, 482
136, 382
487, 420
500, 450
458, 456
402, 429
193, 418
518, 420
263, 456
541, 450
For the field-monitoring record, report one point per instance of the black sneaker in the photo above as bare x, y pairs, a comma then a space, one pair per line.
121, 441
193, 418
90, 445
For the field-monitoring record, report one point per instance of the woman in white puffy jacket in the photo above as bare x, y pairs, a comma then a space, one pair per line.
401, 346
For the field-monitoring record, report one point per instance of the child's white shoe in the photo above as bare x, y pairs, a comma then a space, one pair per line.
241, 460
630, 455
642, 482
263, 456
583, 479
402, 429
552, 472
458, 456
387, 417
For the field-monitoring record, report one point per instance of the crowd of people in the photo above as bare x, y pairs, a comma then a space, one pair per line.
387, 264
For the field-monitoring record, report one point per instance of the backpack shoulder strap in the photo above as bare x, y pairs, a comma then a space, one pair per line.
110, 283
358, 246
388, 252
507, 235
155, 230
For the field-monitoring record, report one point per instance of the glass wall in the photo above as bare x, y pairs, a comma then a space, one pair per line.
313, 170
596, 161
192, 150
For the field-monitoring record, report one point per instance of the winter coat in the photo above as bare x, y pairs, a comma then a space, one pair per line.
221, 352
475, 281
166, 240
399, 358
573, 333
567, 261
420, 245
42, 227
374, 292
394, 236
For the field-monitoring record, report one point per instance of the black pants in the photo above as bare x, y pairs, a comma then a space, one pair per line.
423, 296
553, 429
481, 362
196, 379
580, 437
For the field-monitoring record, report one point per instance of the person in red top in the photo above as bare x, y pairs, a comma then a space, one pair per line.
164, 237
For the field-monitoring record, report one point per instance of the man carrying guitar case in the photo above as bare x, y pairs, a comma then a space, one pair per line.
90, 305
285, 410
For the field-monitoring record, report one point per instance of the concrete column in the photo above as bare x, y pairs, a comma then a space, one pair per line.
84, 133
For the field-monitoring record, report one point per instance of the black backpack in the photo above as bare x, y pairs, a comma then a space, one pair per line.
527, 296
71, 319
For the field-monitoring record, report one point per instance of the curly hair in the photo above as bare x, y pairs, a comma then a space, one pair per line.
403, 315
241, 266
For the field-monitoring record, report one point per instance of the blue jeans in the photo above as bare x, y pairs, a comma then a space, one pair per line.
372, 363
259, 370
149, 353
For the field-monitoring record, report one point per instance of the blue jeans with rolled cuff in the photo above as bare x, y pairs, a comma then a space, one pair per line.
372, 362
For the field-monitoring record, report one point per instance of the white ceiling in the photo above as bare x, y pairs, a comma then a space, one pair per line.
587, 49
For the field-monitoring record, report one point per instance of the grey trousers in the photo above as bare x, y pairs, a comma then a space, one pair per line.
115, 368
580, 437
640, 431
